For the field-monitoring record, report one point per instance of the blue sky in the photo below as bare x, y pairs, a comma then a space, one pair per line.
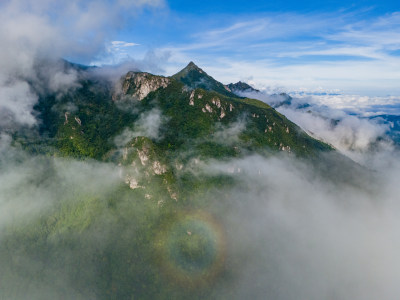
348, 46
353, 47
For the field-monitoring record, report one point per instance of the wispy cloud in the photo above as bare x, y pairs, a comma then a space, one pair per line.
116, 52
315, 51
122, 44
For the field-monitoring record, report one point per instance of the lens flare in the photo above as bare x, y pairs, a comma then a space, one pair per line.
191, 250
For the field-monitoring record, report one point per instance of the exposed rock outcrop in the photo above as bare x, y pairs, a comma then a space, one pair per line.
139, 84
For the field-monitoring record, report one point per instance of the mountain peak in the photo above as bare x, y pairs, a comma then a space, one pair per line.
241, 87
191, 67
194, 77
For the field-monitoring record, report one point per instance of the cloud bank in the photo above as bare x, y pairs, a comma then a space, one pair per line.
297, 236
324, 117
35, 35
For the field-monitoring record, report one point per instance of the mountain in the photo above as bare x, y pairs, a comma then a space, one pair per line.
133, 174
160, 126
241, 87
195, 110
194, 77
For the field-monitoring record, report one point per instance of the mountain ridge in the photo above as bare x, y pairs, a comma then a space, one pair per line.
214, 103
193, 110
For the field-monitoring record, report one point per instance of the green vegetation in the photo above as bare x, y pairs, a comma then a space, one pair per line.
146, 237
84, 123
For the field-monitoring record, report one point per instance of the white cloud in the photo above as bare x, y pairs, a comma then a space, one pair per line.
35, 34
116, 52
324, 117
331, 51
351, 135
148, 125
295, 235
122, 44
356, 103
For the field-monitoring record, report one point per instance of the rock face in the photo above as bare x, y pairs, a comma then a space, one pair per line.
139, 84
142, 166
